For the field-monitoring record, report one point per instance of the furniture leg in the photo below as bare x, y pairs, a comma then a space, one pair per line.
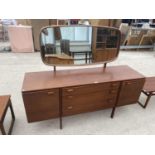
147, 101
54, 68
60, 119
2, 129
73, 54
105, 65
13, 119
117, 100
113, 112
12, 112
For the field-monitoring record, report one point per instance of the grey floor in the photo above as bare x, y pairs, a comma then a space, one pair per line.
130, 119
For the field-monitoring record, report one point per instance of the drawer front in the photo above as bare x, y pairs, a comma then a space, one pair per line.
89, 88
72, 109
41, 105
87, 102
130, 91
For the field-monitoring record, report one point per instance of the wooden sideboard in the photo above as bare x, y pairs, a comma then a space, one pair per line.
49, 94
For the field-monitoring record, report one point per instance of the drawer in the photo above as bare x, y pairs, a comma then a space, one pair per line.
41, 105
87, 102
88, 98
89, 88
71, 108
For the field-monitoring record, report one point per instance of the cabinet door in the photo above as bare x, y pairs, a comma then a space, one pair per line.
41, 105
130, 91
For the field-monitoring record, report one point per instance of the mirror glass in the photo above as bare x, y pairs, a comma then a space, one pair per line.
79, 45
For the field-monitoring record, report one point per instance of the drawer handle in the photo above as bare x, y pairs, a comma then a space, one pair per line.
70, 90
110, 101
114, 84
70, 107
113, 91
70, 97
128, 83
50, 93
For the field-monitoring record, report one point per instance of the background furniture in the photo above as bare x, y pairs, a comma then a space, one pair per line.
21, 38
105, 22
148, 90
135, 37
50, 48
65, 46
105, 45
149, 38
87, 55
37, 24
50, 94
5, 103
124, 28
1, 33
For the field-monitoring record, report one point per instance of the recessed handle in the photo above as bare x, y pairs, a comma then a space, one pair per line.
50, 93
70, 107
70, 90
70, 97
114, 84
110, 101
113, 91
128, 83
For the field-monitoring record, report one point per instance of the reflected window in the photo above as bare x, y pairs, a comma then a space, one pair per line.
77, 33
48, 36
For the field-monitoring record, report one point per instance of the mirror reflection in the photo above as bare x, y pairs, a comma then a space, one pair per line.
79, 45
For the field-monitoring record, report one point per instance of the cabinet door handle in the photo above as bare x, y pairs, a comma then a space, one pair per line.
50, 93
70, 107
70, 90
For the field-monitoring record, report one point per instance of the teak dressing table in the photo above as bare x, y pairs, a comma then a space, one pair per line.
49, 94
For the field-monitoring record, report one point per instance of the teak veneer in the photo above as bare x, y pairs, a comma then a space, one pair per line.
49, 94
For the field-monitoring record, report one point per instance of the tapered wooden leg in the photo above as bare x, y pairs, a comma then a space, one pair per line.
60, 122
54, 68
86, 57
105, 65
117, 100
113, 112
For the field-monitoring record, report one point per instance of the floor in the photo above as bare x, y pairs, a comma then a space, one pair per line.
130, 119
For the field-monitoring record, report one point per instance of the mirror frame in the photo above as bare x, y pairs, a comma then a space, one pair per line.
93, 26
